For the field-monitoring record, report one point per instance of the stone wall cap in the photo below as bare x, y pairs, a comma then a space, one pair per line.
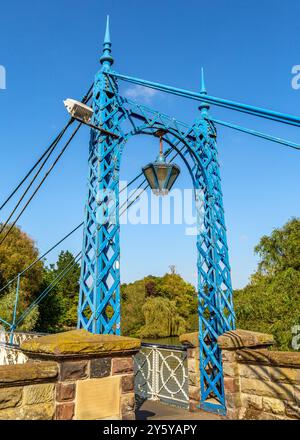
30, 372
244, 338
191, 339
79, 342
266, 357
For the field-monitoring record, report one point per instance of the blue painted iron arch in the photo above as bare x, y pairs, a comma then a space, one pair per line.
100, 271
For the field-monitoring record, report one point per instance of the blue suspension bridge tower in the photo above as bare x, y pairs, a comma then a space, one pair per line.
115, 121
99, 301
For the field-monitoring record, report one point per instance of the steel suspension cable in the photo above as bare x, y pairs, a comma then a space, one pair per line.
256, 133
50, 152
41, 257
41, 182
61, 240
58, 242
84, 100
65, 271
45, 292
232, 105
50, 148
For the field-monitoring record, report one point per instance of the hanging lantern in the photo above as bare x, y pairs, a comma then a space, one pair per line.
160, 174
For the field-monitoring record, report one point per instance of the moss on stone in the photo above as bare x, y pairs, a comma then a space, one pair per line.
191, 339
79, 342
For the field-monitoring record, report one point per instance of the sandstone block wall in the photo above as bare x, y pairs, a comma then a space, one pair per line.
191, 340
259, 383
72, 375
27, 391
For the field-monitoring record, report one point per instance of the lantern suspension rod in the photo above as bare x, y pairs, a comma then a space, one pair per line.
256, 133
244, 108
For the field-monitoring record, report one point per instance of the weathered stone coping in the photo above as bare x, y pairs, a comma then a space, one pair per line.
79, 343
266, 357
232, 340
235, 339
191, 339
22, 374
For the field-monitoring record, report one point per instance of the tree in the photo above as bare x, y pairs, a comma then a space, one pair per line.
161, 319
133, 298
7, 304
146, 306
58, 311
16, 253
271, 301
173, 287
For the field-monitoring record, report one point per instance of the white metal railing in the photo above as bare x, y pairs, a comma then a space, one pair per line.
10, 353
161, 374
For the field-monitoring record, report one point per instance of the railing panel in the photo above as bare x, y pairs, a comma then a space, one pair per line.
161, 374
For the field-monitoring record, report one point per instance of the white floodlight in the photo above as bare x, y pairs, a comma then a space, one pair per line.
83, 113
78, 110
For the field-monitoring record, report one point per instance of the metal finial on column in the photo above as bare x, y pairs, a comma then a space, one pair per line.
106, 59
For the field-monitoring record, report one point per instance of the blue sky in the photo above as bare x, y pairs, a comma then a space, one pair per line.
50, 51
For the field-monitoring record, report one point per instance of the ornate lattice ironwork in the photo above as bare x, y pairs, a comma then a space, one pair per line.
99, 302
161, 374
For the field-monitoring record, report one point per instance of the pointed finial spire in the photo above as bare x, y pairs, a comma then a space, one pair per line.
107, 33
106, 59
203, 106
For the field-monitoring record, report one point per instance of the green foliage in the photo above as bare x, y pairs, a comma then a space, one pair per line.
16, 253
58, 311
270, 303
133, 298
281, 250
165, 306
161, 319
7, 303
158, 307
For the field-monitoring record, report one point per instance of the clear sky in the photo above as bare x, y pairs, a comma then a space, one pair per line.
51, 50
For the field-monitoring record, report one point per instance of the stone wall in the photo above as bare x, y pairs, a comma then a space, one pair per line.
191, 340
71, 375
259, 383
27, 392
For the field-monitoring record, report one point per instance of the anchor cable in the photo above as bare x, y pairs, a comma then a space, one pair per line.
53, 146
45, 292
50, 148
84, 100
39, 185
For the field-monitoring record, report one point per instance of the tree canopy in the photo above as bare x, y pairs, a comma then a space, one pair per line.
159, 307
16, 253
155, 307
58, 311
271, 301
